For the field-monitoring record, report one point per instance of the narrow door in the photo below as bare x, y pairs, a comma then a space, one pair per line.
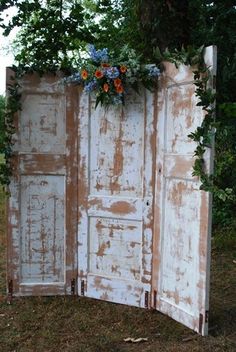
42, 209
116, 188
181, 262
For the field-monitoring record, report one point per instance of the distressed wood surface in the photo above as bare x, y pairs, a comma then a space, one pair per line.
107, 196
42, 255
117, 153
181, 251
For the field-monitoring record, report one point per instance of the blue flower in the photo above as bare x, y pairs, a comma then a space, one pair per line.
154, 71
112, 72
90, 86
75, 78
98, 55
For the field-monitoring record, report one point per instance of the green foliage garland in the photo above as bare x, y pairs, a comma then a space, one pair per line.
204, 134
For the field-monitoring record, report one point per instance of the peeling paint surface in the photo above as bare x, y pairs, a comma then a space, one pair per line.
179, 244
107, 197
114, 151
47, 121
42, 228
183, 116
117, 248
42, 256
181, 251
115, 208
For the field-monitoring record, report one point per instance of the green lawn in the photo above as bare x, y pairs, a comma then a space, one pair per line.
57, 324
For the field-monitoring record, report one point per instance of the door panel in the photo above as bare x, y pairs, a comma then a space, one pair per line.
41, 197
113, 189
181, 252
42, 209
117, 150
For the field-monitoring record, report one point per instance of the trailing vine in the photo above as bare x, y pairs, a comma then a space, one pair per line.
204, 134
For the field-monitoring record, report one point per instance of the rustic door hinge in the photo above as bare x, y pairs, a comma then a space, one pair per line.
206, 316
155, 299
82, 288
146, 300
201, 319
200, 323
73, 283
10, 291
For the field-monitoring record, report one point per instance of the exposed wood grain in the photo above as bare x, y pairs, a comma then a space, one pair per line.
42, 253
181, 249
117, 150
107, 196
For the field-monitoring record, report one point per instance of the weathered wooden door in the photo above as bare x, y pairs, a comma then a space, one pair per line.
42, 254
144, 225
181, 243
116, 192
125, 189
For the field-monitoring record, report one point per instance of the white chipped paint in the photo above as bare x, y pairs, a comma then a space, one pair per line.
43, 129
143, 224
116, 249
182, 281
42, 229
178, 265
115, 136
115, 234
122, 208
38, 226
50, 83
183, 116
104, 288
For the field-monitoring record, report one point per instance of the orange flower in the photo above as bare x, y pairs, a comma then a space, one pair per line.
106, 87
117, 82
119, 89
105, 65
123, 68
84, 74
98, 74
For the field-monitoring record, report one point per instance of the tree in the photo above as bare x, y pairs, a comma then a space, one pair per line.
172, 24
55, 32
50, 32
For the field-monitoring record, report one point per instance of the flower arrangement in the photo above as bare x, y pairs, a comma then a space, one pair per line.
109, 77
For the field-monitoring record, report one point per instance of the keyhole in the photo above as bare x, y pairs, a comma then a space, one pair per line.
148, 203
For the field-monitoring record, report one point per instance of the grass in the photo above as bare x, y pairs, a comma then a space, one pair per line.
58, 324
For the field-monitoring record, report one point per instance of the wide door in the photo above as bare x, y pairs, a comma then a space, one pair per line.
42, 211
116, 188
181, 262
